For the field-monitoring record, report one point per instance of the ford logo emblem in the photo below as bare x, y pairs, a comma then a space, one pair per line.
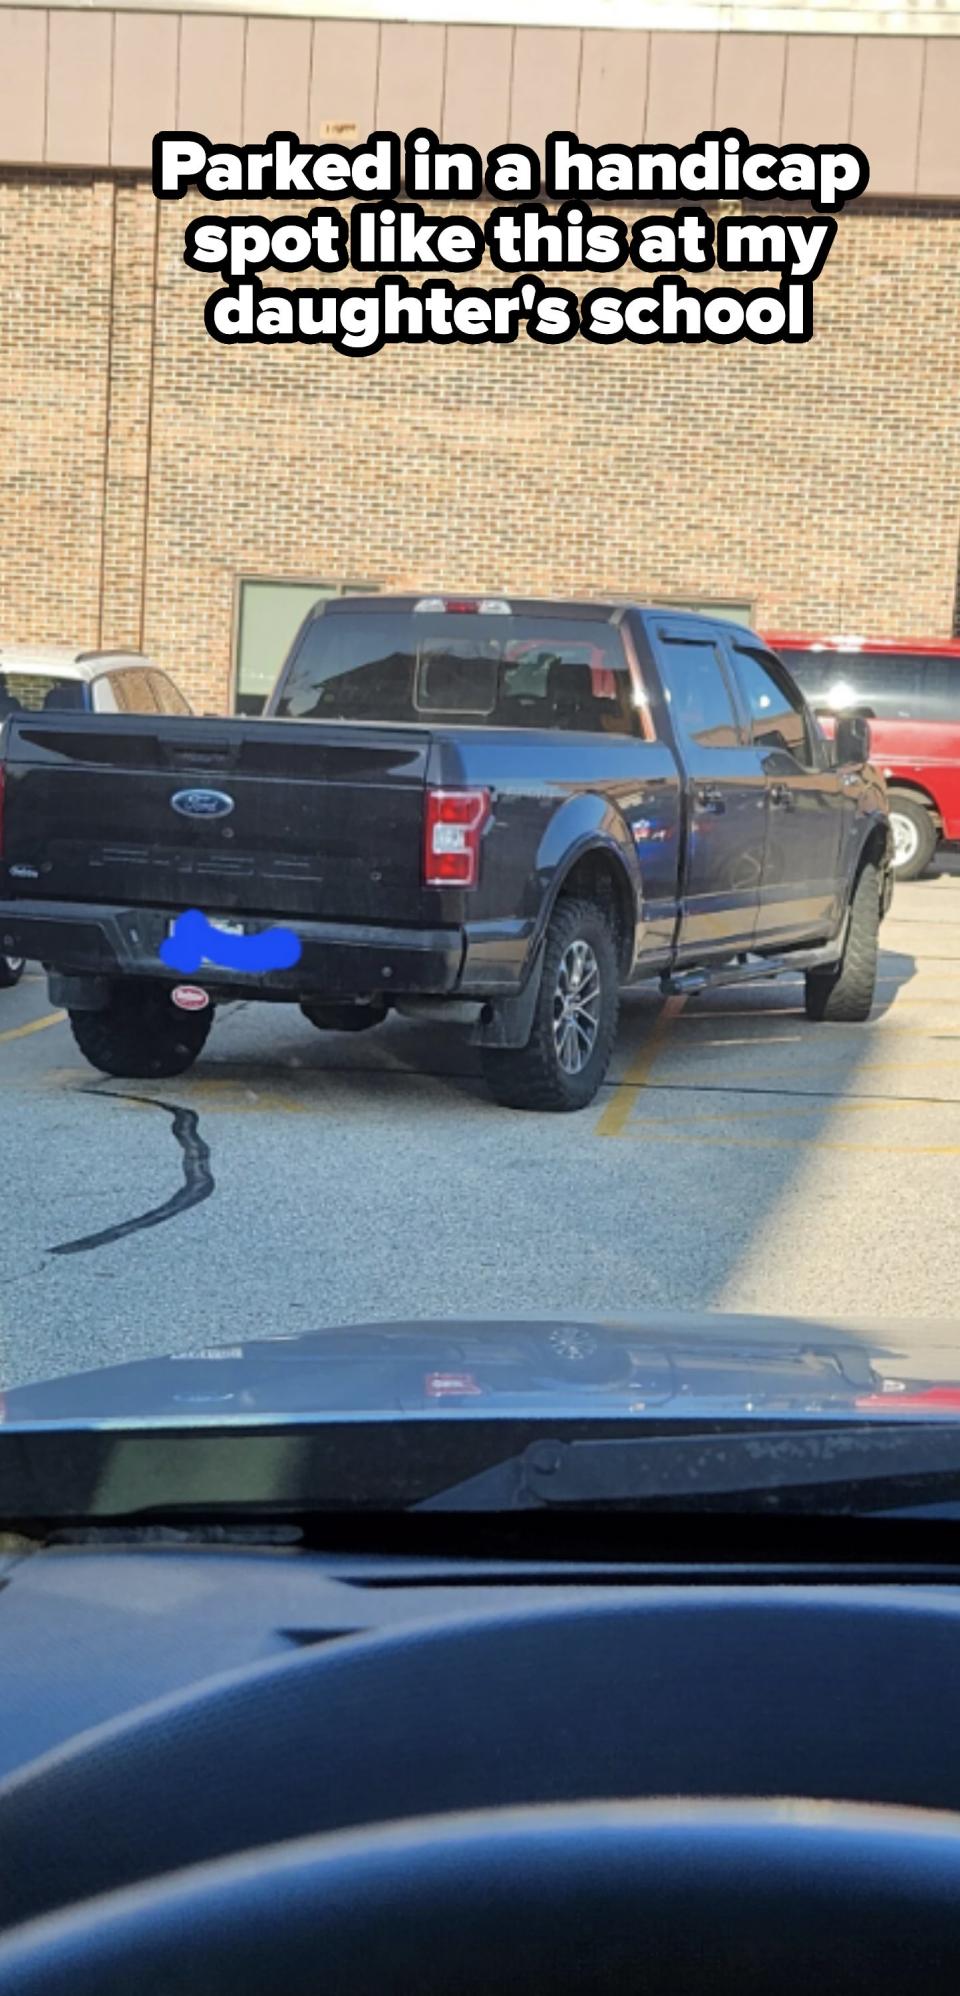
202, 803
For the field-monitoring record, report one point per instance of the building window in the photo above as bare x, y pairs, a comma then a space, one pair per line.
270, 612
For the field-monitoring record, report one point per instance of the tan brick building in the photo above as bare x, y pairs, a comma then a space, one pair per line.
161, 491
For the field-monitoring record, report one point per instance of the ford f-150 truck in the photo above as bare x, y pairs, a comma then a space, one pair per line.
463, 808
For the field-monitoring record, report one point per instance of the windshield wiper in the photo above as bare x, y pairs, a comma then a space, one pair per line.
855, 1467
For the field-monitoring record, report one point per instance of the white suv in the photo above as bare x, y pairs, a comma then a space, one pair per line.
35, 677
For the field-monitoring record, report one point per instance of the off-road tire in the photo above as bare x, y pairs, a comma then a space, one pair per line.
11, 970
532, 1077
916, 814
846, 993
343, 1018
141, 1035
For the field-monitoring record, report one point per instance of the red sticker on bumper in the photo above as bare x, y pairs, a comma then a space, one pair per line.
190, 998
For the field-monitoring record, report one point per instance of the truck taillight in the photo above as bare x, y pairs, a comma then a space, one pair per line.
452, 831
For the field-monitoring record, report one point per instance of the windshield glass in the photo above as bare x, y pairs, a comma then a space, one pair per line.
459, 971
507, 670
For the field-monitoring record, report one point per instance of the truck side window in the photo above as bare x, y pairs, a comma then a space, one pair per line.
777, 714
700, 701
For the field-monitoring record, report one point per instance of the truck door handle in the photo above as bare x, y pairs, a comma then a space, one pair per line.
708, 798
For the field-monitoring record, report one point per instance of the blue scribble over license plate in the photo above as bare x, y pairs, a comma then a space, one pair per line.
223, 923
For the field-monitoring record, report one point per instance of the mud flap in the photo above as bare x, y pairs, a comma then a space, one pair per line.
508, 1021
79, 994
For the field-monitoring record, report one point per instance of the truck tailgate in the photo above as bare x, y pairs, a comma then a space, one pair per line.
323, 820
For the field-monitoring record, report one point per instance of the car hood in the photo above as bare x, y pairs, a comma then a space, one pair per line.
663, 1364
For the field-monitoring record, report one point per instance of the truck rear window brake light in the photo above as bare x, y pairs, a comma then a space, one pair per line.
484, 606
452, 831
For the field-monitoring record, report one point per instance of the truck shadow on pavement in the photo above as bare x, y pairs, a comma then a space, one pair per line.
739, 1157
308, 1070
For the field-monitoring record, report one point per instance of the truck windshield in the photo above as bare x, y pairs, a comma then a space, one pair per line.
473, 668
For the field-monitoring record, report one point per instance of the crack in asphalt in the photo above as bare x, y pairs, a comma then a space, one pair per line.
198, 1179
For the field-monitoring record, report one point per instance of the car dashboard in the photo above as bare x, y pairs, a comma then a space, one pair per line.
198, 1700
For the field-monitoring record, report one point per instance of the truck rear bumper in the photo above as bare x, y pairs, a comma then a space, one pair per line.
338, 960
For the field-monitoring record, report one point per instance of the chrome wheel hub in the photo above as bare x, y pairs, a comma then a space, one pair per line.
905, 839
576, 1007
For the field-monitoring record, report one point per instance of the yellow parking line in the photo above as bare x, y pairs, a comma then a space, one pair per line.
622, 1100
837, 1103
697, 1070
222, 1098
671, 1136
32, 1026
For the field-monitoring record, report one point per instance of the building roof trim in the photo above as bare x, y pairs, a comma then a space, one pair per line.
816, 17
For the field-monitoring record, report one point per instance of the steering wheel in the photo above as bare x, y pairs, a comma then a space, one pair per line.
667, 1899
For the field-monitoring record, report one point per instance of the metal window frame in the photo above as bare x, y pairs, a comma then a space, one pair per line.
301, 581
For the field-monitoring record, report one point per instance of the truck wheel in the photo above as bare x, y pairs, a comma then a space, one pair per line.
575, 1022
345, 1018
846, 992
11, 970
914, 836
140, 1034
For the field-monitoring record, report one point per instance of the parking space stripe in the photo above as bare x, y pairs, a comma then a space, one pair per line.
836, 1073
32, 1026
899, 1004
843, 1106
622, 1100
643, 1128
743, 1091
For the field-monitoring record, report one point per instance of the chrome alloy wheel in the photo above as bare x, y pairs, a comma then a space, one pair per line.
576, 1007
906, 838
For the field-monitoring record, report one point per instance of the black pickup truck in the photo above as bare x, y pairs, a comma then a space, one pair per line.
462, 808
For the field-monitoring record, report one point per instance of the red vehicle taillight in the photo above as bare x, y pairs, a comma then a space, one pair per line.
452, 832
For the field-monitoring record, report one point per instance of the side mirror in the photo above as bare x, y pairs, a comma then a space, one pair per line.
852, 740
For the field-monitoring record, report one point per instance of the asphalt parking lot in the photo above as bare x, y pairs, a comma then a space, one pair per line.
739, 1158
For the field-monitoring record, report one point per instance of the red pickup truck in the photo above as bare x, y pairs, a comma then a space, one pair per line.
910, 694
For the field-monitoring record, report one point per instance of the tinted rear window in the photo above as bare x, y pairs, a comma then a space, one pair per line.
32, 692
460, 668
904, 686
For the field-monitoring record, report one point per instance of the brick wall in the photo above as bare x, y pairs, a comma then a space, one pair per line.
55, 286
146, 468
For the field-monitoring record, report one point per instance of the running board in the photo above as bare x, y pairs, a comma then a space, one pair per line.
682, 983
